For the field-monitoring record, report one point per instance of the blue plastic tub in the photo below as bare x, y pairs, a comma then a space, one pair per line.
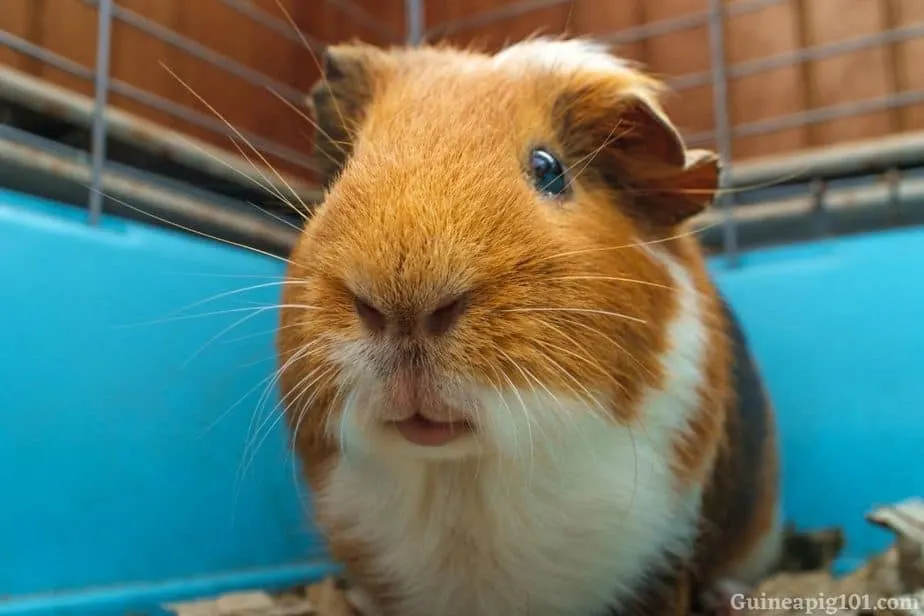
125, 420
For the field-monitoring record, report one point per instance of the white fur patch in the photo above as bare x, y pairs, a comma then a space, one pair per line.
578, 55
562, 55
683, 364
569, 520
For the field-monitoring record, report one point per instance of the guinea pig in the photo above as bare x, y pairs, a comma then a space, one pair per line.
510, 379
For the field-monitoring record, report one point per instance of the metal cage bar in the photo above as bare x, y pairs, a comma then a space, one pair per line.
414, 16
723, 132
101, 93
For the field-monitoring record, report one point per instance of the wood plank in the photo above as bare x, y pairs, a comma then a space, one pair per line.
437, 14
390, 17
851, 77
326, 24
247, 106
909, 53
68, 28
136, 58
680, 53
16, 18
754, 36
603, 19
498, 33
547, 21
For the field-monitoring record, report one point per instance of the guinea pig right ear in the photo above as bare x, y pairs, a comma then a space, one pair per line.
338, 101
617, 123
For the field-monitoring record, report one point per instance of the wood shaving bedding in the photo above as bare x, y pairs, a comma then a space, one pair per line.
888, 584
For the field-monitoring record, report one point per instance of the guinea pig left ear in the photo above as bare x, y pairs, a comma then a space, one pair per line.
339, 99
644, 157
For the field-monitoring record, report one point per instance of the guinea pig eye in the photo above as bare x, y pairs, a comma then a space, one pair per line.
547, 173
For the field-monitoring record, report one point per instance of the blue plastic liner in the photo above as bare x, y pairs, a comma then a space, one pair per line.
134, 470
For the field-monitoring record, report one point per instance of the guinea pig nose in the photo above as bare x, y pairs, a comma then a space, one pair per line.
370, 316
446, 314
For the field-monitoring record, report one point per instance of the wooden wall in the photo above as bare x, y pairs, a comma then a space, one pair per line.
68, 28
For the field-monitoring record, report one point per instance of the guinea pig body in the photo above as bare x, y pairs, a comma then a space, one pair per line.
510, 379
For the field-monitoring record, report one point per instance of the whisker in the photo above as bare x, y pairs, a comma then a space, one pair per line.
613, 279
533, 379
261, 334
214, 275
255, 441
270, 383
224, 294
314, 58
310, 138
588, 159
606, 373
503, 399
516, 393
620, 347
189, 229
344, 418
287, 223
526, 374
579, 310
212, 340
568, 374
269, 186
279, 412
564, 414
254, 362
571, 6
308, 119
303, 412
297, 485
227, 411
635, 464
186, 317
302, 354
304, 407
625, 246
245, 466
739, 189
274, 376
238, 133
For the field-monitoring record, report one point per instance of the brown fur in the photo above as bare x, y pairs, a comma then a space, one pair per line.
424, 154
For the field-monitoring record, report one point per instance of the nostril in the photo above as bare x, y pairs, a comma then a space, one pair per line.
369, 315
447, 314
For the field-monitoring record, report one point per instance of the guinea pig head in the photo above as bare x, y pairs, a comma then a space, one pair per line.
483, 272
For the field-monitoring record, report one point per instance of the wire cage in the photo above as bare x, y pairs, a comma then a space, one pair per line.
203, 171
188, 113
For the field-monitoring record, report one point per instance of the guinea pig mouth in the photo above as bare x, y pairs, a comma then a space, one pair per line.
425, 432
